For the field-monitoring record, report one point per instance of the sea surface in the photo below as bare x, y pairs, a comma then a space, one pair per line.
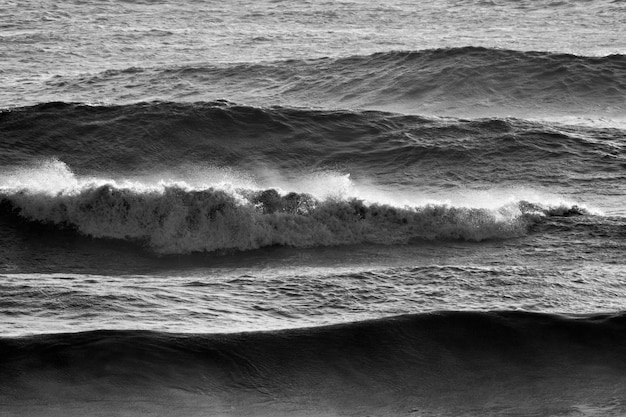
313, 208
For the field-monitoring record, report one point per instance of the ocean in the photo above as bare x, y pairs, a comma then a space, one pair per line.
313, 208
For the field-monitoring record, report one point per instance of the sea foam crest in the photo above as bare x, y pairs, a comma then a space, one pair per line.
179, 218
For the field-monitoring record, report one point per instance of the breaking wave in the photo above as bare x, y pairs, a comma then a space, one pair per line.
178, 218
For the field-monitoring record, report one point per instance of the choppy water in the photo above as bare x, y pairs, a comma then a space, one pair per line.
174, 174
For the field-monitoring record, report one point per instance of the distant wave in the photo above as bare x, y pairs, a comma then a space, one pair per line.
442, 363
177, 218
459, 82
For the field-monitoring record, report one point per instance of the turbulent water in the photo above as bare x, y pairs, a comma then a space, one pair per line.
313, 208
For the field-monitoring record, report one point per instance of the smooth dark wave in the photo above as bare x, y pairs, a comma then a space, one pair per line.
460, 82
146, 137
448, 363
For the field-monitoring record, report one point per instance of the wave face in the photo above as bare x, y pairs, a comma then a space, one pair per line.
148, 136
445, 363
459, 82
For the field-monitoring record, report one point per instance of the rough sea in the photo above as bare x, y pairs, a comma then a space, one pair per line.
313, 208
